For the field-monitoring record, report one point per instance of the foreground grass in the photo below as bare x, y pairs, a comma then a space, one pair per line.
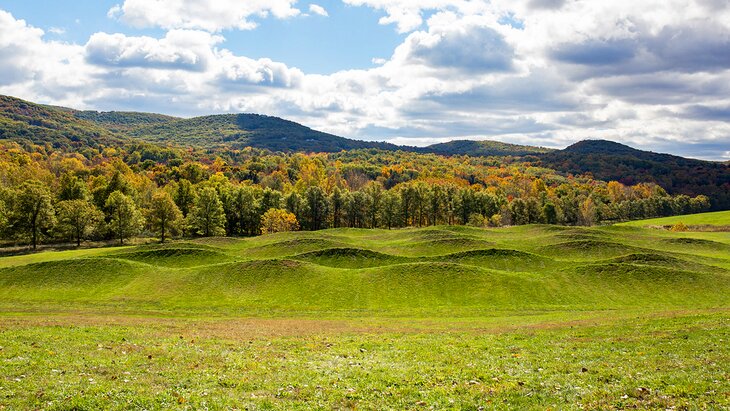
532, 317
650, 361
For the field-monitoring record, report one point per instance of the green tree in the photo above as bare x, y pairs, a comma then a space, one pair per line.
72, 188
77, 219
184, 196
126, 220
33, 214
293, 203
519, 210
355, 208
550, 213
316, 207
250, 219
337, 203
374, 191
207, 217
163, 215
389, 210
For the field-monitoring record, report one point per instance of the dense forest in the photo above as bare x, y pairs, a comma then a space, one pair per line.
104, 192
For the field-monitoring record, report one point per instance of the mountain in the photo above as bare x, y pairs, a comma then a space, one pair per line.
65, 127
483, 148
123, 121
243, 130
608, 160
26, 122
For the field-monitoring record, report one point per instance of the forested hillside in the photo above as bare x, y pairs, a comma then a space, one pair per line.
607, 160
28, 123
117, 175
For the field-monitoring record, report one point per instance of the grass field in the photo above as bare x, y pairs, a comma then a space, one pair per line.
530, 317
717, 218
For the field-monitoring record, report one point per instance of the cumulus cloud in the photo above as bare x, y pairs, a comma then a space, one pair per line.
211, 15
465, 47
243, 71
179, 49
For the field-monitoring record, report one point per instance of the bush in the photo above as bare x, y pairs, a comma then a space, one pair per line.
680, 226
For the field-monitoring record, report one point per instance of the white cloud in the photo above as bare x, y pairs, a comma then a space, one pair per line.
318, 10
466, 44
180, 49
242, 71
210, 15
57, 30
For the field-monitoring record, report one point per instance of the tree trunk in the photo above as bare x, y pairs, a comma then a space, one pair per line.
35, 235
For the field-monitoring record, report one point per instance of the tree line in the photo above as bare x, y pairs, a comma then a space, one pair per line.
117, 203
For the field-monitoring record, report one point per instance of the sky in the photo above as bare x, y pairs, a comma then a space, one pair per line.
654, 74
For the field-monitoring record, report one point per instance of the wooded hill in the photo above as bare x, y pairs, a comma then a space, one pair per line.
217, 135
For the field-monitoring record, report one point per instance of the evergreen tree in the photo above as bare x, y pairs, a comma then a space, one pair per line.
374, 191
519, 211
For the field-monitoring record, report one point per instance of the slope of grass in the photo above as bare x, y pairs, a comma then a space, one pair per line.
423, 272
717, 218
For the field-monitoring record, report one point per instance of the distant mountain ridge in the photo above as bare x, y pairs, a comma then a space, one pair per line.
255, 130
483, 148
67, 128
608, 160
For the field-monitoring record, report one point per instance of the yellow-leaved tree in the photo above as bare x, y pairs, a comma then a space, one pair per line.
276, 220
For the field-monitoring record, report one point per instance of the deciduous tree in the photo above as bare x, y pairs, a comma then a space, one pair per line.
77, 219
276, 220
163, 215
207, 217
33, 214
126, 219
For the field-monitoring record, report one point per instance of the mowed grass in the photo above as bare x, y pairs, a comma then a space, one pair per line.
441, 317
719, 218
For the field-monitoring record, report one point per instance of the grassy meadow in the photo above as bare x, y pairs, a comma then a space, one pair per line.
529, 317
717, 218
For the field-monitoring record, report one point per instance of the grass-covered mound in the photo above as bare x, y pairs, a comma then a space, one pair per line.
441, 271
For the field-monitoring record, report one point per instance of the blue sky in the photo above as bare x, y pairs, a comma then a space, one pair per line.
652, 74
350, 37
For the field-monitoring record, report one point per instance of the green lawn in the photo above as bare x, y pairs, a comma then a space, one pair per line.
529, 317
720, 218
